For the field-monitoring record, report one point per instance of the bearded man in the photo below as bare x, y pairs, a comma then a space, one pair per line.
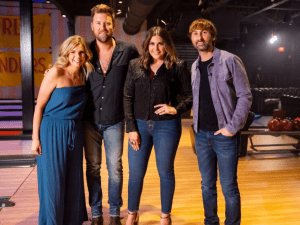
104, 115
221, 102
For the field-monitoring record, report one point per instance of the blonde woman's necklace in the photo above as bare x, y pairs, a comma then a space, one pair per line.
76, 77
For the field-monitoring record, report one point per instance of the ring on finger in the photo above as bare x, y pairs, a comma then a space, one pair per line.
133, 143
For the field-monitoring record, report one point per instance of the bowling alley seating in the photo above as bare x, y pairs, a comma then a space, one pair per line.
291, 104
266, 99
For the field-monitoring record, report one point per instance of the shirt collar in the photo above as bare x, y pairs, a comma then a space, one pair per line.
161, 68
216, 57
118, 48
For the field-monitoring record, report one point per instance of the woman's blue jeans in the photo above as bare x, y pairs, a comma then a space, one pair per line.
164, 136
215, 151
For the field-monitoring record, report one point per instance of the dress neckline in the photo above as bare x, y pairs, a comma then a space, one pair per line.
70, 86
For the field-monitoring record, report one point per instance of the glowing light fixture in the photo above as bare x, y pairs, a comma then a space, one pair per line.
281, 49
273, 39
63, 15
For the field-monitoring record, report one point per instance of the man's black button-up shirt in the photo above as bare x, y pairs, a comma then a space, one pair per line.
105, 94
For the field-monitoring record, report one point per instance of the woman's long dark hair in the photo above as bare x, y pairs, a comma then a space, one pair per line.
170, 56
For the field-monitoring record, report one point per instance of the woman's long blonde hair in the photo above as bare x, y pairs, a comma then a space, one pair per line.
65, 49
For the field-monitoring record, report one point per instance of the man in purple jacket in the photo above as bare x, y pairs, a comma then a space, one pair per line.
221, 102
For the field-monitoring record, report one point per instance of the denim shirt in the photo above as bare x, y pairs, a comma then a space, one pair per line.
230, 90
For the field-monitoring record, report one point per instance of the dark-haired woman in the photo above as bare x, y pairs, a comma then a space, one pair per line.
152, 115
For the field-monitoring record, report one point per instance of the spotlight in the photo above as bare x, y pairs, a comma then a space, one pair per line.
273, 39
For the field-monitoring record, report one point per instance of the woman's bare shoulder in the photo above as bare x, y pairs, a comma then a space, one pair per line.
56, 72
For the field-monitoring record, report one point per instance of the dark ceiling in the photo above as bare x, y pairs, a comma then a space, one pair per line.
249, 11
176, 15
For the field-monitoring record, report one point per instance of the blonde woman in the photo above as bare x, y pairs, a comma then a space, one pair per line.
57, 136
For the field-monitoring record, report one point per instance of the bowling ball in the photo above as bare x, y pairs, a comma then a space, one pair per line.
296, 123
277, 118
286, 125
273, 125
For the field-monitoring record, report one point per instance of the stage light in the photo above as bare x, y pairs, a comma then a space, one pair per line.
273, 39
280, 49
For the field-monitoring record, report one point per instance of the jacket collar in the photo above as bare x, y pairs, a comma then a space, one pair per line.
161, 68
216, 57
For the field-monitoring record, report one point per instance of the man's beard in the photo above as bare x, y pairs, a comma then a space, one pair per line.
204, 47
103, 38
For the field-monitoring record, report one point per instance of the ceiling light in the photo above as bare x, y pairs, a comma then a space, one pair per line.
48, 2
119, 12
273, 39
63, 15
120, 2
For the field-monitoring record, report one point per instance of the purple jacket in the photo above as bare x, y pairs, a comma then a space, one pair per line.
230, 90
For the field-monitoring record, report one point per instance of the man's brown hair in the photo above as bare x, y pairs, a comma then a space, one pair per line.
102, 8
203, 24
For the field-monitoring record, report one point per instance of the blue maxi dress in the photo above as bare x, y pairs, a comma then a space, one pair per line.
60, 172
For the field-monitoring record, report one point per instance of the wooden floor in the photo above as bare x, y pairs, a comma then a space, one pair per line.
269, 186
